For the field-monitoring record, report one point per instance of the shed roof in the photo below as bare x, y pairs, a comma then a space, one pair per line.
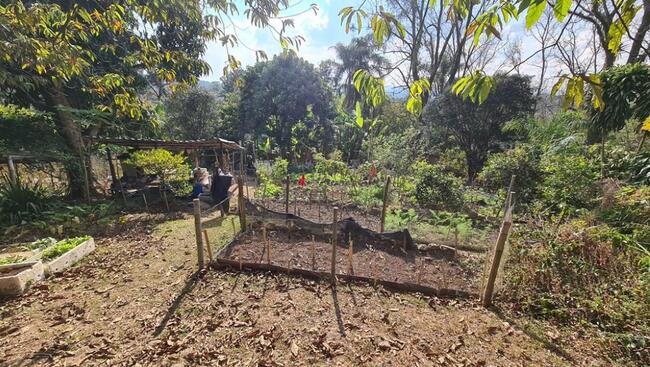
216, 144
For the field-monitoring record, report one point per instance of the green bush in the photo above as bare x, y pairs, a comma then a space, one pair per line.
279, 170
172, 169
453, 161
437, 190
21, 202
570, 180
399, 219
332, 171
369, 196
521, 161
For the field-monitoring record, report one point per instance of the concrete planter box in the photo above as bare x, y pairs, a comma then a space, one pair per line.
15, 278
68, 259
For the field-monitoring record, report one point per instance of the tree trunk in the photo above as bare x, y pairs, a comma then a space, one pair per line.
72, 135
644, 27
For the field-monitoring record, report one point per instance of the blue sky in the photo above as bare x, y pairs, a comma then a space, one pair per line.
321, 32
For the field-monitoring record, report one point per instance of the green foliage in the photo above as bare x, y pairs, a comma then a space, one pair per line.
477, 129
191, 114
370, 196
625, 95
62, 247
521, 161
399, 219
279, 170
21, 202
586, 273
11, 260
436, 189
171, 169
330, 171
41, 243
570, 180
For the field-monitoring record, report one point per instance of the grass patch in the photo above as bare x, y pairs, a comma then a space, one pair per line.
11, 260
63, 246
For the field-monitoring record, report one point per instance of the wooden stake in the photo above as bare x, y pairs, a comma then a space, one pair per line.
486, 296
144, 198
350, 252
319, 210
207, 245
313, 253
384, 204
268, 245
198, 231
241, 204
334, 243
234, 230
286, 196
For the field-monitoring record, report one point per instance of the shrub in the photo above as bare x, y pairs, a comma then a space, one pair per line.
267, 188
437, 190
330, 170
21, 202
400, 219
369, 196
279, 170
569, 180
521, 161
453, 161
172, 169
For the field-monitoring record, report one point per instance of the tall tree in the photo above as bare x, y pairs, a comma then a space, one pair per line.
280, 94
191, 114
476, 129
65, 56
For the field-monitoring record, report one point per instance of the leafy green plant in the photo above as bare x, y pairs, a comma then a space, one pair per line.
279, 170
438, 190
399, 219
62, 247
11, 260
523, 162
41, 243
172, 169
370, 196
21, 202
570, 180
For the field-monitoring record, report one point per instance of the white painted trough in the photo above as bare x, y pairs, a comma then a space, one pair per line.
16, 278
66, 260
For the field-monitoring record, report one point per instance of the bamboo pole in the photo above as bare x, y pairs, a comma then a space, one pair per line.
207, 245
242, 209
334, 243
198, 232
486, 296
384, 205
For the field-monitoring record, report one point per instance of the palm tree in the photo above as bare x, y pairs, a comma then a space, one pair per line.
360, 53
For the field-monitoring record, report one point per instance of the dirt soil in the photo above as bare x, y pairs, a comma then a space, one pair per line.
375, 260
304, 209
137, 300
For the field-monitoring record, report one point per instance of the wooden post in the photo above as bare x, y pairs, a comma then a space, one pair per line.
286, 196
111, 167
234, 229
144, 198
385, 203
334, 243
198, 231
242, 209
313, 253
207, 245
350, 252
268, 245
13, 175
486, 296
84, 170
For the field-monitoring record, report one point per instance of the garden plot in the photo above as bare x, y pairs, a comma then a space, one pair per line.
284, 242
